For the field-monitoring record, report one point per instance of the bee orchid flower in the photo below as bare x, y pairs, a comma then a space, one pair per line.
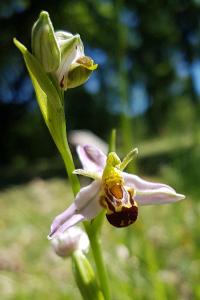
112, 189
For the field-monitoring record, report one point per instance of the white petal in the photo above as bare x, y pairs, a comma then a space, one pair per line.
91, 158
86, 206
140, 184
157, 196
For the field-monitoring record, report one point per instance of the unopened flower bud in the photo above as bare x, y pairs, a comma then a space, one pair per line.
44, 44
75, 67
66, 243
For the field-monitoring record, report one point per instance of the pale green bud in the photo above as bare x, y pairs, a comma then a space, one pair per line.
44, 44
75, 67
60, 53
70, 47
85, 277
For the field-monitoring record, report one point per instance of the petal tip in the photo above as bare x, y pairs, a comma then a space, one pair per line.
162, 195
51, 234
181, 197
49, 237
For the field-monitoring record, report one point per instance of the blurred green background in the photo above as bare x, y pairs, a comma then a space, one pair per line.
148, 87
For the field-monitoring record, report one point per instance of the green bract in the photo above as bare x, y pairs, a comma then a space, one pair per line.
85, 277
48, 98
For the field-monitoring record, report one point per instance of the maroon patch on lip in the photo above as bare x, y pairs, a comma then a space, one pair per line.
123, 218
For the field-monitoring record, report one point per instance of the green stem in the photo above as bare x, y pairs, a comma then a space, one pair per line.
112, 142
92, 230
96, 246
67, 156
69, 165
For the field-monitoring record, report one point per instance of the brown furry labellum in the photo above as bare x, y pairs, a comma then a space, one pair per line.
122, 210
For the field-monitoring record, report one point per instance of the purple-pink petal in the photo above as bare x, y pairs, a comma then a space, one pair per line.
87, 193
61, 219
86, 206
138, 183
73, 220
92, 158
162, 195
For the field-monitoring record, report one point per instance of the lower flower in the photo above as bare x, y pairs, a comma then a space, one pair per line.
118, 192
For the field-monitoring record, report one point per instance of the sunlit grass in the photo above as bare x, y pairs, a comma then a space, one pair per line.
157, 258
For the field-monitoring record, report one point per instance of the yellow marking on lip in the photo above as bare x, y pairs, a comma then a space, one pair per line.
117, 191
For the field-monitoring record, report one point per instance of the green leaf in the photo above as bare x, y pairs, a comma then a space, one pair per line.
50, 100
48, 97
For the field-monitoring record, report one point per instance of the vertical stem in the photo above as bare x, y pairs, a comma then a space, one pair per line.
67, 156
93, 230
98, 257
90, 229
69, 165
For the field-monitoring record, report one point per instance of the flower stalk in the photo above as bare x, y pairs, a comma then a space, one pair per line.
58, 62
93, 232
